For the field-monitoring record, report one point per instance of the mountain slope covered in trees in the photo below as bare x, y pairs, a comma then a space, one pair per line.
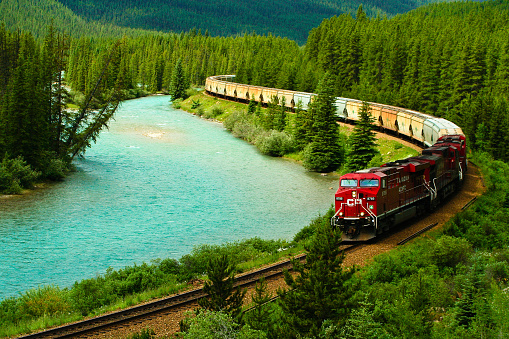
37, 15
292, 19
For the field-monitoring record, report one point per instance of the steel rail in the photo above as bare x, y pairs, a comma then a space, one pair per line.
118, 318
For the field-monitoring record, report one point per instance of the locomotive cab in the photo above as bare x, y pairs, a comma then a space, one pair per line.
356, 203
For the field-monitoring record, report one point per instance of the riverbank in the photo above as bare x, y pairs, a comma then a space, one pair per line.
217, 109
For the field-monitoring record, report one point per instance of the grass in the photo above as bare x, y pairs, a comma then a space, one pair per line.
208, 103
392, 150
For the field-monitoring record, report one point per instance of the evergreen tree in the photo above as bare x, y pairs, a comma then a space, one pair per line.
362, 141
86, 124
260, 317
280, 118
302, 126
221, 295
322, 289
323, 154
178, 82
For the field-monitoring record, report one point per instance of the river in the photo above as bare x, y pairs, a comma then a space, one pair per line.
157, 183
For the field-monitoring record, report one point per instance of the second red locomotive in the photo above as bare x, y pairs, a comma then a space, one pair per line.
371, 201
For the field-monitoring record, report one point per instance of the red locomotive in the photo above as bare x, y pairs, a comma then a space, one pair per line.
371, 201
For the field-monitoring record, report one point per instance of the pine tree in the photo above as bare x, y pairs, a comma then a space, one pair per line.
302, 126
280, 118
362, 141
322, 288
260, 317
221, 295
178, 82
323, 154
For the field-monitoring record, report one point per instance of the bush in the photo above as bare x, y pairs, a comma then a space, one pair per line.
16, 174
275, 143
144, 334
195, 104
210, 325
307, 232
44, 301
177, 103
448, 251
55, 170
216, 111
90, 294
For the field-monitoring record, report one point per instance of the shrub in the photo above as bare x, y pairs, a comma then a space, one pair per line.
16, 174
230, 121
55, 170
47, 300
177, 103
216, 111
218, 325
449, 251
195, 104
275, 143
90, 294
144, 334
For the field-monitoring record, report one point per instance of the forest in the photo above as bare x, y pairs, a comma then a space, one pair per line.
57, 91
292, 20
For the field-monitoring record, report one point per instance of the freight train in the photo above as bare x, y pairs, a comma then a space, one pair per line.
419, 127
371, 201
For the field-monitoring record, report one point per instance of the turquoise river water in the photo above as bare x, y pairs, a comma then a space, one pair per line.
157, 183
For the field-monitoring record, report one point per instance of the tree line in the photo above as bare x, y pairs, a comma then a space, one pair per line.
281, 18
39, 134
449, 60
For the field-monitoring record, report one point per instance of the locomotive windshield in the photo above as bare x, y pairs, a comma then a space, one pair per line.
369, 182
348, 183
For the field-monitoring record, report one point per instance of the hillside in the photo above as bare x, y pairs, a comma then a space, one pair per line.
293, 19
35, 16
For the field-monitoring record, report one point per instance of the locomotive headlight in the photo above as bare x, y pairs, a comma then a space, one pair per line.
340, 214
354, 194
362, 214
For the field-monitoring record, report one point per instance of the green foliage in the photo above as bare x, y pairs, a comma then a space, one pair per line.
195, 104
362, 141
260, 317
178, 84
363, 323
322, 289
16, 174
34, 121
214, 113
56, 169
177, 103
36, 303
221, 296
218, 325
324, 153
144, 334
275, 143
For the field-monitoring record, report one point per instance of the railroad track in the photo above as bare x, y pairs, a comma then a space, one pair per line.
176, 302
